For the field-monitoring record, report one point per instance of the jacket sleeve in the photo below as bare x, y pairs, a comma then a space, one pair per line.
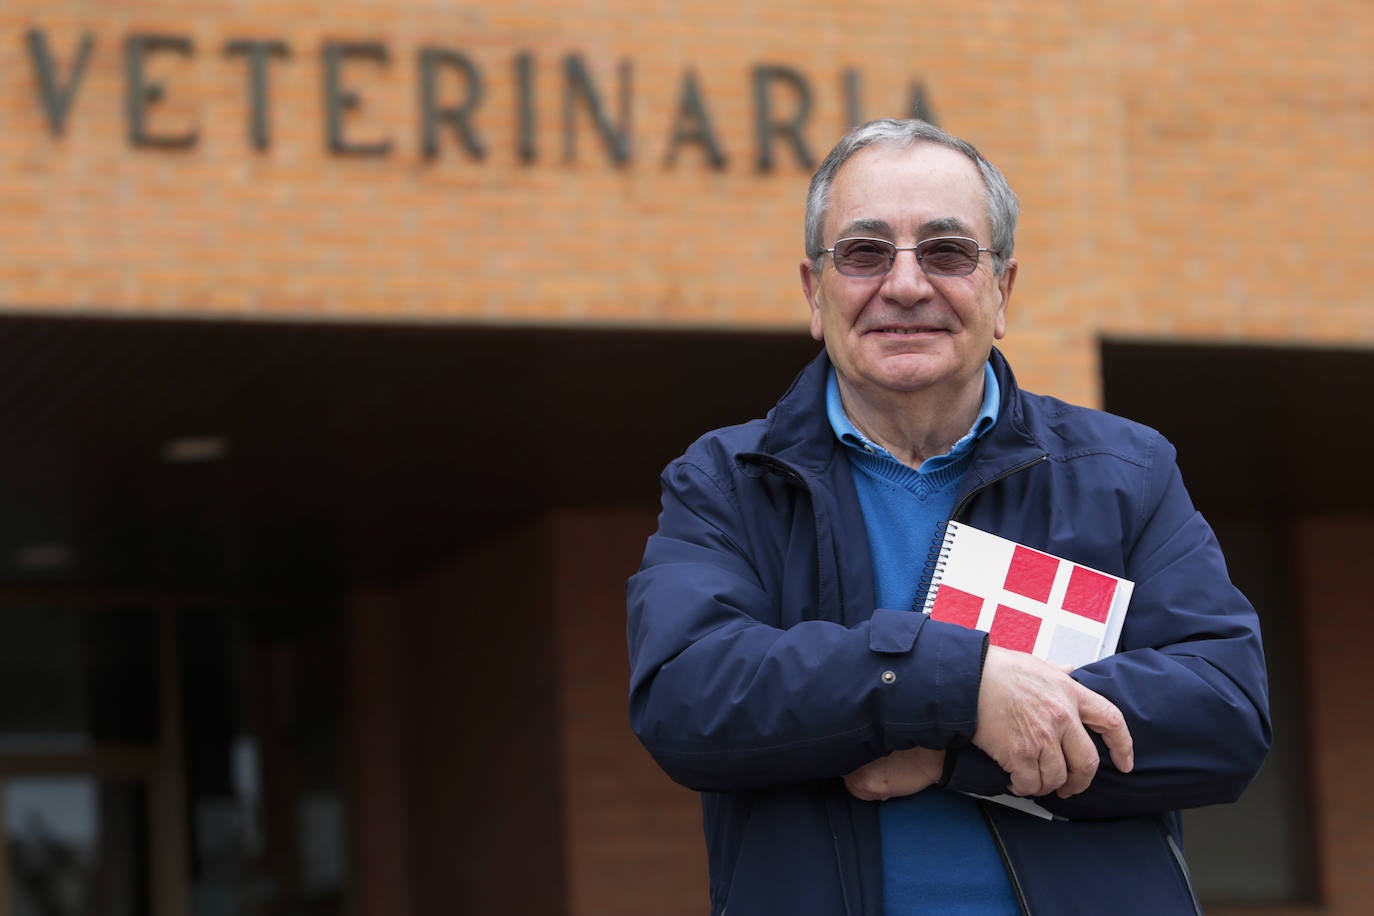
1190, 677
724, 699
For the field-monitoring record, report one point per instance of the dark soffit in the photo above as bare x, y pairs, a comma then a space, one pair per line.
358, 452
1260, 430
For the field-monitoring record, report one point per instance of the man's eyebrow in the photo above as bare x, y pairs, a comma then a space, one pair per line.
880, 228
946, 224
867, 226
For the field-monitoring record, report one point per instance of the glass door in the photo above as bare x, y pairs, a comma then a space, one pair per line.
179, 759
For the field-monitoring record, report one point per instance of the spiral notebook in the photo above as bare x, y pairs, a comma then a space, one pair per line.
1026, 600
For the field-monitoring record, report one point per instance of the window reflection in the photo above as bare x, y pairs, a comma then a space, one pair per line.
246, 777
76, 846
262, 722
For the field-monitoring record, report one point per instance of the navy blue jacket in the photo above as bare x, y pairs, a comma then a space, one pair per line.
758, 659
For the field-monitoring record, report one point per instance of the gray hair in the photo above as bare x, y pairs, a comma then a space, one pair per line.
1002, 206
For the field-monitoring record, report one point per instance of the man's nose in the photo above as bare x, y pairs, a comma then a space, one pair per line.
907, 279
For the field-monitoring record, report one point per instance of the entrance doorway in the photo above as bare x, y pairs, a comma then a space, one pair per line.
168, 754
212, 530
1272, 443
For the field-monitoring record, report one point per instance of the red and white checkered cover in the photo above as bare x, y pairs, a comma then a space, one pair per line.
1027, 600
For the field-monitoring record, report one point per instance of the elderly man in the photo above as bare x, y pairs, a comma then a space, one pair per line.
838, 737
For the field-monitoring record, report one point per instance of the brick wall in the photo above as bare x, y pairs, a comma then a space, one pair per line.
1186, 170
634, 841
479, 665
492, 764
1336, 583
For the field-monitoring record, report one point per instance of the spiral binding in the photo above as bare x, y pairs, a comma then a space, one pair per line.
934, 569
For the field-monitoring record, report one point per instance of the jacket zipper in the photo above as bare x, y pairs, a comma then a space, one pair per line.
765, 460
963, 503
1183, 870
839, 866
1006, 859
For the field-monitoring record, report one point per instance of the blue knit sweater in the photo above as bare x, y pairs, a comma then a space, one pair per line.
938, 855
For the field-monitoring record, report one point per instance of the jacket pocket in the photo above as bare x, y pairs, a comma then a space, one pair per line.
1125, 866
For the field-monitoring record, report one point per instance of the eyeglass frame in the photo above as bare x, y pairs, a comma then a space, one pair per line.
896, 249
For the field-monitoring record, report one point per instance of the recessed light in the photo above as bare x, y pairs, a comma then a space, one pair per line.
43, 557
194, 449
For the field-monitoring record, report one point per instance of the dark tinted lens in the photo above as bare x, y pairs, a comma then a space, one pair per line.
948, 257
863, 257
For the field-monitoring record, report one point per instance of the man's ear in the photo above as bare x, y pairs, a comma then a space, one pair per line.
1004, 286
811, 283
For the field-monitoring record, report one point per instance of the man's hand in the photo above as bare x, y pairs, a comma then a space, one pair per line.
1033, 720
899, 773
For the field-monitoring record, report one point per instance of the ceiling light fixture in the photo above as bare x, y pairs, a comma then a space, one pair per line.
194, 449
43, 557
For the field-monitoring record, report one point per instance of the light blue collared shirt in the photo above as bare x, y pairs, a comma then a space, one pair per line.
849, 434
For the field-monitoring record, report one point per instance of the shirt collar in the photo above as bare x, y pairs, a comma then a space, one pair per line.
849, 434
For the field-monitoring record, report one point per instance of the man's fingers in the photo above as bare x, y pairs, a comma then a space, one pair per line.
1081, 756
1036, 721
864, 788
1101, 715
869, 782
1054, 769
1025, 780
1036, 775
903, 772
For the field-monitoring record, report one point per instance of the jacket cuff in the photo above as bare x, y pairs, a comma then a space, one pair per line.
894, 632
930, 672
952, 752
951, 756
971, 770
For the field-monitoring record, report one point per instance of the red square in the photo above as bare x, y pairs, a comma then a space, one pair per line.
1013, 629
1090, 594
1031, 573
954, 606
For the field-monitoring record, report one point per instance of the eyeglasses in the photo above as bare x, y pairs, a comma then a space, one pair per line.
946, 256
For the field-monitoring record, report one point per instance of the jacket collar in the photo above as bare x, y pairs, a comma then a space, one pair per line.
799, 432
800, 444
1011, 443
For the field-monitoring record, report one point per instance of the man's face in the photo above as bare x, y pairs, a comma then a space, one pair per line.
907, 331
